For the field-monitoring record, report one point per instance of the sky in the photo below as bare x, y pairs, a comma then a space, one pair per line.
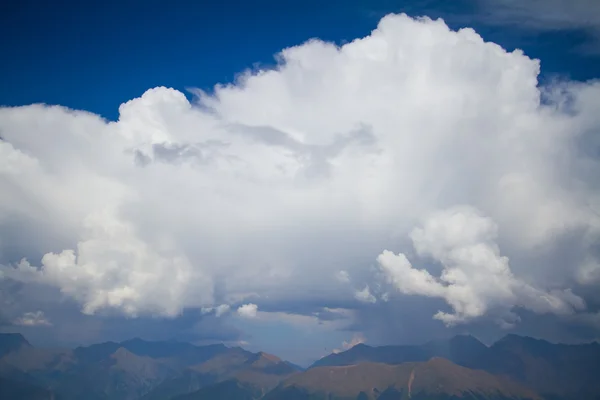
298, 177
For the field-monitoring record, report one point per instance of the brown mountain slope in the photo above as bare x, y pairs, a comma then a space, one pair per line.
260, 369
441, 376
437, 378
557, 371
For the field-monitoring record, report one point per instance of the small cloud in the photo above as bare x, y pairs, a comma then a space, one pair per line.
247, 310
35, 318
343, 276
219, 310
222, 309
365, 295
356, 339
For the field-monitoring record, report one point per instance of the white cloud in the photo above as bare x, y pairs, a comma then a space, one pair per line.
219, 310
35, 318
272, 185
247, 310
356, 339
342, 276
222, 309
476, 278
110, 254
365, 295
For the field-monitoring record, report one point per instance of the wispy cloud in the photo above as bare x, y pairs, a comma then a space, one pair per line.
546, 15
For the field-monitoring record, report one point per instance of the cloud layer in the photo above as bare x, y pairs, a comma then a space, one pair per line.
427, 142
547, 15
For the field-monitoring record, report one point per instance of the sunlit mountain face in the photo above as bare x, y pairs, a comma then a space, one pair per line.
397, 199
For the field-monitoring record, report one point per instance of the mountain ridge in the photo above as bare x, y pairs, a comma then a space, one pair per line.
553, 370
435, 377
514, 367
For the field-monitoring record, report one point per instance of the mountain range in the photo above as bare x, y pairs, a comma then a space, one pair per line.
515, 368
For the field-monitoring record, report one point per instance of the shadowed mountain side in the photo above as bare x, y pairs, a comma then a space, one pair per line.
123, 376
15, 390
34, 360
230, 390
259, 372
10, 342
187, 381
557, 370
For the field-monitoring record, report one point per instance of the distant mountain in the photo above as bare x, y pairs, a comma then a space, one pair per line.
10, 342
137, 369
120, 376
437, 378
184, 353
513, 368
254, 372
553, 370
464, 350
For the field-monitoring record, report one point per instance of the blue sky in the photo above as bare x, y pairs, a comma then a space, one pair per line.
94, 56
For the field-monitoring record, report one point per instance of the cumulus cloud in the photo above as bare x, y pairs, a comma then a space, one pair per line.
266, 188
247, 310
365, 295
476, 278
34, 318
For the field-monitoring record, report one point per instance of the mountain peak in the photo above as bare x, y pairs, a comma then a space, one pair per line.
439, 361
135, 340
122, 353
515, 339
269, 357
468, 340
